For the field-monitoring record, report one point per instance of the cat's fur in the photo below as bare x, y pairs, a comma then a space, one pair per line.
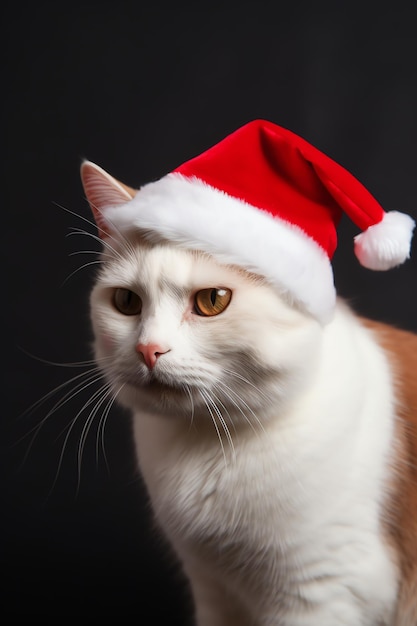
280, 455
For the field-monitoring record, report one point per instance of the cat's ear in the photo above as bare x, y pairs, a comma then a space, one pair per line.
102, 190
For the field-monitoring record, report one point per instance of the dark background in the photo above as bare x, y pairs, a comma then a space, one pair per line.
139, 89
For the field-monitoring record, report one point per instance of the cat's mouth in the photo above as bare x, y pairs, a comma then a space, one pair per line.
157, 383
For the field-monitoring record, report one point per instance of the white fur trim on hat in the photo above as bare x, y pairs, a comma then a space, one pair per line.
193, 214
386, 244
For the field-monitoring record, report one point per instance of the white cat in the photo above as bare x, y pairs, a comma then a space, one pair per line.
279, 452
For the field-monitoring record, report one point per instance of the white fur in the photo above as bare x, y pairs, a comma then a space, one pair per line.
273, 502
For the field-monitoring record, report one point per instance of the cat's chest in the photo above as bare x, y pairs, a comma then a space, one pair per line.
266, 509
212, 493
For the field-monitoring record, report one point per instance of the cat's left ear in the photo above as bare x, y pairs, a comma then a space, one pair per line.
102, 191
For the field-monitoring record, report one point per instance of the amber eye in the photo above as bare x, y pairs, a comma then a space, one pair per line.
209, 302
127, 301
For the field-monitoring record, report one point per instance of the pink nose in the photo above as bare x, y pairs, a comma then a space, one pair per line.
150, 352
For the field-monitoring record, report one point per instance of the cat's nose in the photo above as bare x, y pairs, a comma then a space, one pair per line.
150, 352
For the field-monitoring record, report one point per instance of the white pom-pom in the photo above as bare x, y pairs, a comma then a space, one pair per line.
386, 244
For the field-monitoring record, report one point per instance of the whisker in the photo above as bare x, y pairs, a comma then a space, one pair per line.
102, 254
89, 400
82, 375
187, 389
89, 379
81, 217
64, 363
240, 400
201, 392
78, 252
102, 390
247, 382
223, 421
210, 402
103, 241
78, 269
102, 424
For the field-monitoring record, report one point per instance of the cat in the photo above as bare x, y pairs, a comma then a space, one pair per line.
279, 452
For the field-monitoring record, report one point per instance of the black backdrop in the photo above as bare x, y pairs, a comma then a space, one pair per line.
139, 89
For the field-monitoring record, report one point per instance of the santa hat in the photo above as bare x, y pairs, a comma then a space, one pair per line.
266, 200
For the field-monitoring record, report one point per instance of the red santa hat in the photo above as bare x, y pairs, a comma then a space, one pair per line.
265, 199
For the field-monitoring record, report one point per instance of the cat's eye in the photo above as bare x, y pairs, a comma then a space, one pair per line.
127, 301
212, 301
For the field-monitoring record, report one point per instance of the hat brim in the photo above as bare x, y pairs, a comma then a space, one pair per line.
190, 213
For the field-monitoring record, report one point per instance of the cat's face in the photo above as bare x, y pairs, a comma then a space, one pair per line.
175, 331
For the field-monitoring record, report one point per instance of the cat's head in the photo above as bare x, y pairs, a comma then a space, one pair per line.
178, 330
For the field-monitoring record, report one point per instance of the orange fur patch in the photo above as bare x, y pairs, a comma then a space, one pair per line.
401, 508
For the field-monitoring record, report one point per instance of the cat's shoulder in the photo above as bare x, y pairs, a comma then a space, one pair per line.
400, 347
389, 334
